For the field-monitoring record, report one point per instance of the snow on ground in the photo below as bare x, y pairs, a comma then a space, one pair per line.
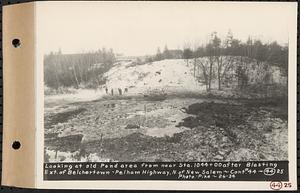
62, 102
165, 75
79, 95
138, 129
160, 77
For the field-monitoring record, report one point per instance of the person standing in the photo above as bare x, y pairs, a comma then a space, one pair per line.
120, 91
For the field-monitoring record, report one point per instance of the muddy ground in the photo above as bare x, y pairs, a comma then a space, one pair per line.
166, 129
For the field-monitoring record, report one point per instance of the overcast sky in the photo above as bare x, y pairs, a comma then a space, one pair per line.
138, 28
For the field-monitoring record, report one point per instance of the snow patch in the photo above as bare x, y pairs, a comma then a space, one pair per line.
80, 95
164, 76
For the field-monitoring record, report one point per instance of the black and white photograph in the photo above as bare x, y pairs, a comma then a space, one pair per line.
150, 95
159, 82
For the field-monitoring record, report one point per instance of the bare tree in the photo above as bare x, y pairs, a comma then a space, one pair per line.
204, 66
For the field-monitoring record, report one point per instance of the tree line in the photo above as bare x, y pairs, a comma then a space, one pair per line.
165, 54
221, 54
75, 70
252, 48
211, 62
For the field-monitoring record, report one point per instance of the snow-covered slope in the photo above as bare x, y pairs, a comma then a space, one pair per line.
174, 75
166, 76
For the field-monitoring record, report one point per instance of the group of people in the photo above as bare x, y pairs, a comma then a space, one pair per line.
119, 90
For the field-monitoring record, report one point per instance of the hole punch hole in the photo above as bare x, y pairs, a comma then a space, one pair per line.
16, 145
16, 43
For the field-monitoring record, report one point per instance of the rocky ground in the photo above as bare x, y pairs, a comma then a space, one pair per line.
159, 128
